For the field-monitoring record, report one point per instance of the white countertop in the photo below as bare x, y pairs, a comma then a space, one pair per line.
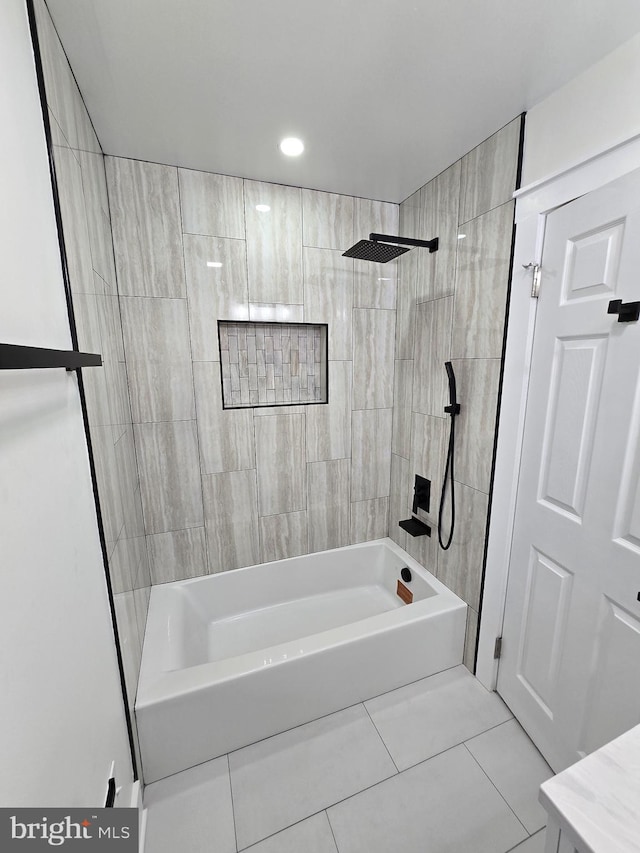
597, 800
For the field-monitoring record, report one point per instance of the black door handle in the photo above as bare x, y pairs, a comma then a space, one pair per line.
628, 312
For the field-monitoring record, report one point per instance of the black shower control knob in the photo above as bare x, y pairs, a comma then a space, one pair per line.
405, 574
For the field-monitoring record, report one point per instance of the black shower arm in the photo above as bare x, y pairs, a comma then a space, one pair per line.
432, 245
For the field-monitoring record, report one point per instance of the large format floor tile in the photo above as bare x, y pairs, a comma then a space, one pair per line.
291, 776
312, 835
191, 811
444, 804
434, 714
516, 768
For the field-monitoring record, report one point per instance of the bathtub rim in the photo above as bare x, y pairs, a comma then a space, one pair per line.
161, 686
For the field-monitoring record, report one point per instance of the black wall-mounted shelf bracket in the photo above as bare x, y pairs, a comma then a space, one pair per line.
15, 357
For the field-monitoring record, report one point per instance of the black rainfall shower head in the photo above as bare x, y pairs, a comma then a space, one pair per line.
369, 250
377, 247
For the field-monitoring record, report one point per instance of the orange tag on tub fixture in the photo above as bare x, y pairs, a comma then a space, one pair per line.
404, 593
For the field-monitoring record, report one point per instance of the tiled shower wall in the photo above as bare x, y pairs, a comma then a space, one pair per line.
452, 306
223, 489
79, 165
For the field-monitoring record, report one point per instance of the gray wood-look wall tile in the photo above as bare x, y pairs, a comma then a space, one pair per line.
130, 641
328, 504
94, 180
89, 321
214, 293
211, 204
439, 219
147, 233
329, 426
328, 298
128, 482
103, 444
369, 520
177, 555
156, 334
281, 464
373, 362
118, 386
375, 285
477, 382
460, 568
87, 139
402, 398
274, 242
122, 566
432, 349
410, 217
429, 436
112, 338
470, 638
169, 475
481, 285
225, 435
489, 172
274, 312
283, 536
57, 136
369, 216
141, 601
370, 453
59, 81
400, 498
270, 411
74, 218
231, 520
327, 220
94, 187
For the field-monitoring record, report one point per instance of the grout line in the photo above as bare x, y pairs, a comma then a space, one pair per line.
497, 789
332, 832
381, 738
533, 835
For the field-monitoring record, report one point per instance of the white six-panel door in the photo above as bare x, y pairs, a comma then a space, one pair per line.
570, 667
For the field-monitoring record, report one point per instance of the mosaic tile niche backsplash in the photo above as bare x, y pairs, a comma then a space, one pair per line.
266, 364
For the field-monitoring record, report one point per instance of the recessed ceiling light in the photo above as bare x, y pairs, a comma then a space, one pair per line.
214, 264
263, 208
291, 146
461, 236
384, 279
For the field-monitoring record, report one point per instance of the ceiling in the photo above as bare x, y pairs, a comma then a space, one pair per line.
384, 93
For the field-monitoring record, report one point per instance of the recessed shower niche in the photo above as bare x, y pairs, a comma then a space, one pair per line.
272, 364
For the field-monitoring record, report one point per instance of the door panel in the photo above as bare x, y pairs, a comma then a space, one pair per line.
570, 667
574, 402
591, 264
546, 608
614, 696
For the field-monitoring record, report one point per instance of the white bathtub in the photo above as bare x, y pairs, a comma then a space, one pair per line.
235, 657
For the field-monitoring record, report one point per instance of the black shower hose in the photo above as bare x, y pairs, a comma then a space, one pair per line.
448, 474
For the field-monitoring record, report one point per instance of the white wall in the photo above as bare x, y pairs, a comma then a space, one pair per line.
61, 713
594, 111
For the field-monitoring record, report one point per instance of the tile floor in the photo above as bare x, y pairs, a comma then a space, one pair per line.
439, 765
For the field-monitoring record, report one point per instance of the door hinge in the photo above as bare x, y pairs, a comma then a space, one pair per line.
497, 649
535, 280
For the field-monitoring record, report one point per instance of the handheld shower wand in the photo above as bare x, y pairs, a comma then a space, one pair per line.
452, 409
